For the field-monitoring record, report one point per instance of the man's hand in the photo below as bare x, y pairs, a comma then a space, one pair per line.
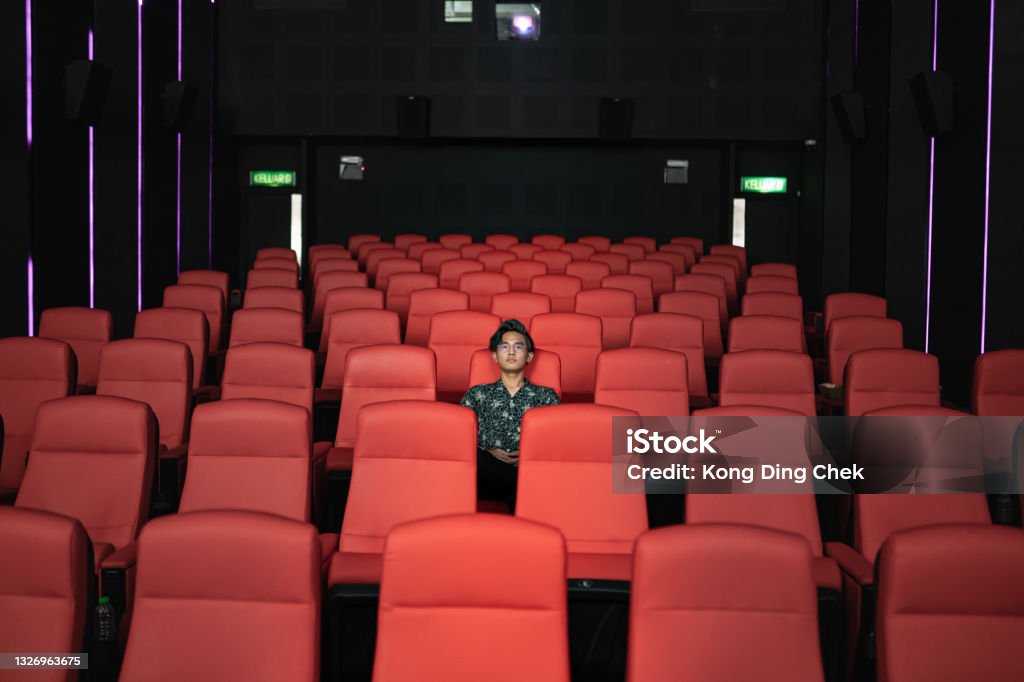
505, 456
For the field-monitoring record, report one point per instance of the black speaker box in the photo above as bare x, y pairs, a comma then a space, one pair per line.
412, 114
179, 99
849, 110
615, 118
85, 91
933, 96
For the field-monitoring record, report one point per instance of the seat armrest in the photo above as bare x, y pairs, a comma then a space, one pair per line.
175, 453
851, 562
123, 558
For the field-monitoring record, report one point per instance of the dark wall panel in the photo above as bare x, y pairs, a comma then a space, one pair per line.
197, 18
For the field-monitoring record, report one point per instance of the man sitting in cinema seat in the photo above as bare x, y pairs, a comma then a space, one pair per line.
499, 410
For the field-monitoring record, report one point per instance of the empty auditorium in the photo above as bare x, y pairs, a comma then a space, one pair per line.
550, 341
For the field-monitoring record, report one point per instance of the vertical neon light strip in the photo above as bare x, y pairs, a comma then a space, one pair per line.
30, 267
931, 191
988, 170
213, 75
179, 145
856, 32
139, 132
92, 205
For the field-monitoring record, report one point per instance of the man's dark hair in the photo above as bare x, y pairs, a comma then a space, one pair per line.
511, 326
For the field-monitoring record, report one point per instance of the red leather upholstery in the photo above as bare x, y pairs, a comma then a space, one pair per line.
676, 260
178, 324
288, 264
400, 289
560, 290
576, 339
773, 303
590, 273
378, 256
887, 377
773, 378
250, 455
525, 251
451, 270
774, 270
494, 260
271, 277
266, 325
348, 298
766, 332
454, 336
502, 242
728, 274
550, 242
731, 261
849, 304
328, 282
419, 248
701, 593
210, 278
951, 604
426, 303
206, 300
352, 329
155, 372
274, 297
276, 252
85, 330
32, 371
44, 587
455, 240
473, 251
706, 284
696, 243
520, 305
999, 384
226, 595
321, 252
520, 272
738, 252
322, 267
544, 370
616, 309
649, 244
687, 252
554, 259
563, 443
271, 371
364, 251
503, 589
600, 244
618, 263
660, 274
680, 333
579, 252
705, 306
433, 258
640, 285
92, 459
649, 381
849, 335
630, 251
768, 283
392, 266
404, 241
413, 460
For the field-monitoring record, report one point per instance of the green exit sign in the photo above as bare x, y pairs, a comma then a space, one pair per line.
762, 185
266, 178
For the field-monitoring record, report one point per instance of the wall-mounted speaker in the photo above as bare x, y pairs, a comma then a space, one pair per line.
85, 91
933, 96
412, 114
178, 99
849, 110
615, 118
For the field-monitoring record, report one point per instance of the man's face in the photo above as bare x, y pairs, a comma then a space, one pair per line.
512, 355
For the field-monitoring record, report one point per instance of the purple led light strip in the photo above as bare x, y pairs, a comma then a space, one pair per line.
30, 268
988, 170
931, 191
179, 146
213, 75
139, 132
92, 205
856, 31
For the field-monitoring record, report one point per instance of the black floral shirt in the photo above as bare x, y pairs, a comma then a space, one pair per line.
499, 414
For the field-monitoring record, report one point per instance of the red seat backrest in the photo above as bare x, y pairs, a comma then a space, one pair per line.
615, 307
640, 285
849, 304
774, 303
451, 270
727, 273
550, 242
649, 244
849, 335
401, 287
774, 378
327, 282
554, 259
390, 267
274, 297
768, 283
352, 329
739, 252
707, 284
455, 240
649, 381
999, 384
698, 304
288, 264
258, 325
454, 336
618, 263
576, 339
590, 272
630, 251
501, 242
766, 332
357, 240
561, 290
206, 300
885, 377
417, 249
482, 286
85, 330
661, 275
433, 258
676, 260
272, 371
211, 278
494, 260
600, 244
687, 252
679, 333
774, 270
405, 240
519, 305
579, 252
520, 272
473, 251
525, 251
696, 243
424, 304
350, 298
178, 324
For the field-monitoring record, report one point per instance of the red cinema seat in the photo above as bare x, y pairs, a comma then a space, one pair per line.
998, 388
454, 336
600, 244
266, 325
849, 335
405, 240
773, 303
574, 443
774, 270
561, 291
197, 617
640, 285
426, 303
705, 284
390, 267
274, 297
210, 278
178, 324
525, 251
45, 582
455, 240
327, 282
576, 339
349, 298
887, 377
473, 251
700, 591
732, 261
649, 244
364, 251
501, 242
738, 252
519, 305
378, 256
504, 581
544, 370
649, 381
357, 240
451, 270
417, 250
951, 604
695, 243
352, 329
206, 300
616, 309
772, 378
494, 260
850, 304
32, 371
288, 264
698, 304
272, 371
521, 272
401, 288
590, 272
660, 274
631, 251
482, 287
767, 283
551, 242
555, 260
321, 252
579, 252
728, 274
85, 330
766, 332
271, 277
92, 459
681, 334
433, 258
676, 260
688, 253
324, 266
